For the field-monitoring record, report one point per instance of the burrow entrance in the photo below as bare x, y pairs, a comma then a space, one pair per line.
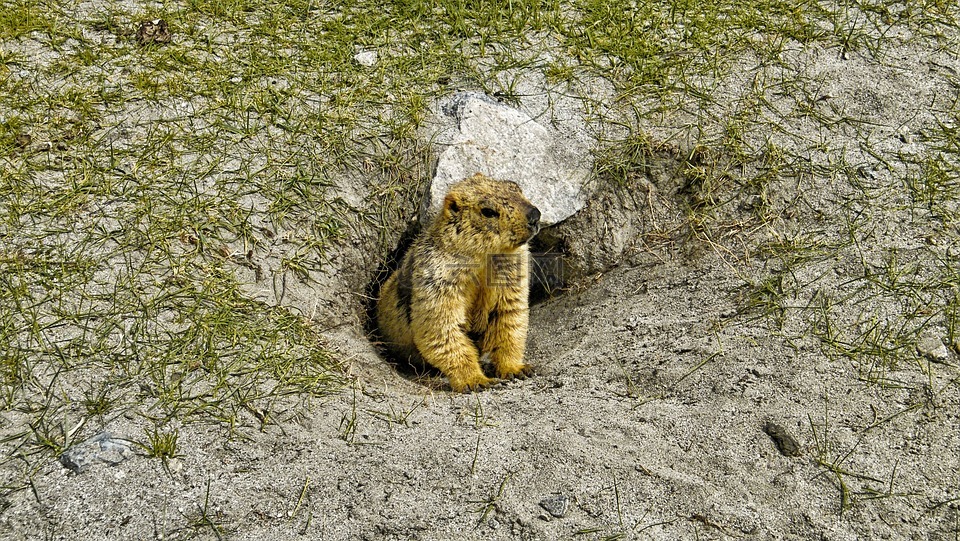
643, 195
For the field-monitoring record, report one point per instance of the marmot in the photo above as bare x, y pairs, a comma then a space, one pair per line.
461, 291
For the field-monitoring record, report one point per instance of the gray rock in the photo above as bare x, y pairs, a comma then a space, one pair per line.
505, 143
102, 448
931, 347
556, 505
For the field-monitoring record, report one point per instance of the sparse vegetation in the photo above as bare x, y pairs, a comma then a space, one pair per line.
489, 505
162, 445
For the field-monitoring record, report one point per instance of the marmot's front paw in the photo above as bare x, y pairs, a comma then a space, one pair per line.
473, 382
514, 371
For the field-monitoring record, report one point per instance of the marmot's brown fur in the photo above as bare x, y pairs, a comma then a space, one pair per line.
461, 291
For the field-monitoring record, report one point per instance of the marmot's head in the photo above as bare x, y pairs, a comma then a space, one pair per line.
485, 215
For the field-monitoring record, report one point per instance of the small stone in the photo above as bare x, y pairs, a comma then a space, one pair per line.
905, 136
556, 505
931, 347
102, 448
23, 140
785, 443
155, 31
367, 59
174, 465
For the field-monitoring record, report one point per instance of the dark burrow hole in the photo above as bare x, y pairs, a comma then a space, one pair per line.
406, 368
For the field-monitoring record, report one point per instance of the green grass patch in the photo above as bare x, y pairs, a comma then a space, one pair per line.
21, 17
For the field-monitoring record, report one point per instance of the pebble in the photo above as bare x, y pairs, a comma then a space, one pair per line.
556, 505
905, 135
174, 465
931, 347
367, 59
785, 443
154, 31
103, 448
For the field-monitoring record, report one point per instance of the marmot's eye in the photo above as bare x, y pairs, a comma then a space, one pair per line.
489, 213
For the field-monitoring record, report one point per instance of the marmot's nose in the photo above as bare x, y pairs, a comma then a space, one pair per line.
533, 217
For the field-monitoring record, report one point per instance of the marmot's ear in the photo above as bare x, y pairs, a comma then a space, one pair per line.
450, 203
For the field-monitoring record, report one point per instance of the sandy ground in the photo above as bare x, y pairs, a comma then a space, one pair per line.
617, 423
